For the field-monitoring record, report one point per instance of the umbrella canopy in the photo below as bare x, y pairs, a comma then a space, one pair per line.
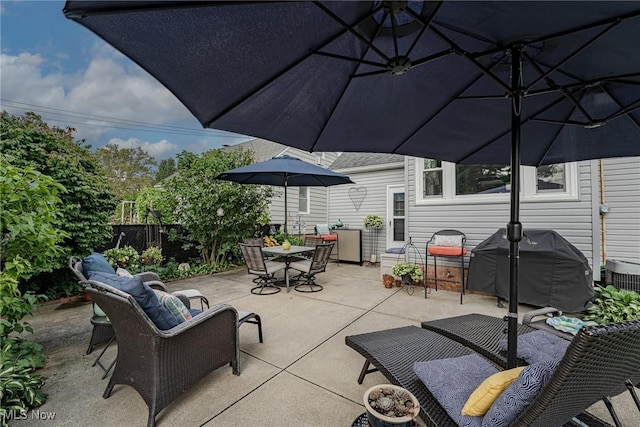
472, 82
285, 171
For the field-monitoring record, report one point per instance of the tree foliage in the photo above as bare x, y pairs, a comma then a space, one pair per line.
29, 243
157, 199
199, 196
87, 201
166, 168
128, 170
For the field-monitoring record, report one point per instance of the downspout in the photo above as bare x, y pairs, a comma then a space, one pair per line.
603, 216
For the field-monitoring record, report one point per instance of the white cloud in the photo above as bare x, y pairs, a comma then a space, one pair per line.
106, 88
159, 150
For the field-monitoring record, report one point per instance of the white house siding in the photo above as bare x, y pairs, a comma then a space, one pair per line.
572, 219
622, 195
375, 180
318, 198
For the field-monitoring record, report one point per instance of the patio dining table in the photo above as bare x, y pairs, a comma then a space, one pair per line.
287, 255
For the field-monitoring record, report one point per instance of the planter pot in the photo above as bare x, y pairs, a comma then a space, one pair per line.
388, 281
373, 259
378, 420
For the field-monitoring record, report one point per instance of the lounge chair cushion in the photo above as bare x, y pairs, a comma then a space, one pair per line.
174, 305
96, 262
537, 346
451, 381
143, 295
483, 397
515, 399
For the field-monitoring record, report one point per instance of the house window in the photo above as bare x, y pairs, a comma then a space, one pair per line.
444, 182
432, 178
303, 200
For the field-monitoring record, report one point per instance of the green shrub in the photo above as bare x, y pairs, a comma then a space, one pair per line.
18, 384
613, 305
152, 256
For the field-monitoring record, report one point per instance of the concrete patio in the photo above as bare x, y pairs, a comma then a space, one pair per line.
302, 375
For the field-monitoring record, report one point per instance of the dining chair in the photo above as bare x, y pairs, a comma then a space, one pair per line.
309, 268
265, 270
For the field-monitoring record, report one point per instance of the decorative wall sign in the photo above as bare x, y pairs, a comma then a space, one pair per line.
357, 196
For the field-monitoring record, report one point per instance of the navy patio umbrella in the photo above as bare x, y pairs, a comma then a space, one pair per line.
531, 83
285, 171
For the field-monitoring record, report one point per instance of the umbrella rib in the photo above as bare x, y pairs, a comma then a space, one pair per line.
564, 33
575, 53
440, 110
348, 58
616, 20
625, 111
279, 74
352, 30
470, 58
335, 106
425, 26
492, 140
581, 84
546, 151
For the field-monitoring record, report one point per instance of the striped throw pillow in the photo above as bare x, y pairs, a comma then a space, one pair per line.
174, 305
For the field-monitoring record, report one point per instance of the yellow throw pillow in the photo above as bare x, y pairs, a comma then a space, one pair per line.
483, 397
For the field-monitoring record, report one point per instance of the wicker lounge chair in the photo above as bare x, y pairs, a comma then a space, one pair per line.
596, 363
102, 329
483, 333
162, 365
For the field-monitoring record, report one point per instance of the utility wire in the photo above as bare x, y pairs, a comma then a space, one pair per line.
115, 122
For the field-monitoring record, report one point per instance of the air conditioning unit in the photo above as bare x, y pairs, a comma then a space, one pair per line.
623, 274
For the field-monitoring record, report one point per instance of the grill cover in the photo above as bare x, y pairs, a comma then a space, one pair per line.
553, 272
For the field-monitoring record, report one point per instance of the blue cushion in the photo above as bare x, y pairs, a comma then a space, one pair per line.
194, 311
451, 381
143, 295
537, 346
96, 262
515, 399
395, 250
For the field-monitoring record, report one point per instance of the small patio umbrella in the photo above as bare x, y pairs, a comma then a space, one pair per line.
285, 171
529, 83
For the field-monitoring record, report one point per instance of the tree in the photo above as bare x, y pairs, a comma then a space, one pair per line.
166, 168
200, 198
128, 170
87, 201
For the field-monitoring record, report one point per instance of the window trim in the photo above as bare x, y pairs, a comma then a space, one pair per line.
528, 191
308, 198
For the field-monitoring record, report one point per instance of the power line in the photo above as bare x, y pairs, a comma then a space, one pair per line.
118, 123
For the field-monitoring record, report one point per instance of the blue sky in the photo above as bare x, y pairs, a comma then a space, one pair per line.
63, 72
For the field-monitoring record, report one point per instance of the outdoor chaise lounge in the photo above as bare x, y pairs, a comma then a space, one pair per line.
596, 363
484, 334
163, 364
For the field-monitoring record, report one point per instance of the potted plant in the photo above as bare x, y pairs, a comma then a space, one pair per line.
411, 273
373, 222
152, 256
390, 405
123, 257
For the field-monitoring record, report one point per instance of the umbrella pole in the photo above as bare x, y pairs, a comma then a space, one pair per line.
285, 209
514, 228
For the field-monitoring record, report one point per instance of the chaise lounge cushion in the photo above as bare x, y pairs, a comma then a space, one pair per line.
96, 262
451, 381
515, 399
144, 296
537, 346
